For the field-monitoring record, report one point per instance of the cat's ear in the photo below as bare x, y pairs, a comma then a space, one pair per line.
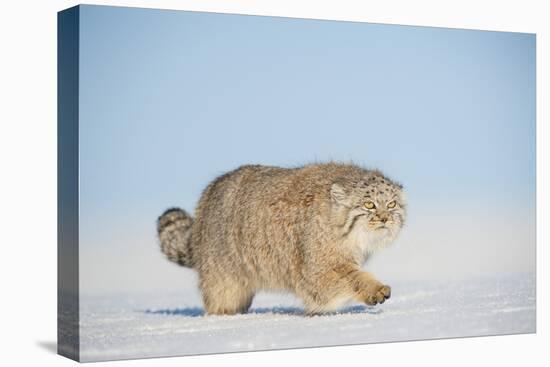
338, 194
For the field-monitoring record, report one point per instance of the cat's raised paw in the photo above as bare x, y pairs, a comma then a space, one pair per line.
379, 295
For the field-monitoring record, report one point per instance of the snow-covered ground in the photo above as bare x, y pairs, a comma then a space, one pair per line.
152, 325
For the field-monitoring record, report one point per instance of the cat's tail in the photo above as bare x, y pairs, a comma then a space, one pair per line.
174, 231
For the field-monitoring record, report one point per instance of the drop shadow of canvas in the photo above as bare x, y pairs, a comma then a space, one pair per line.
279, 310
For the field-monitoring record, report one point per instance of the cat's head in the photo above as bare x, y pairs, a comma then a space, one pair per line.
371, 201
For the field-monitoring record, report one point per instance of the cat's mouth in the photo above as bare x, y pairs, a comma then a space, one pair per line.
379, 226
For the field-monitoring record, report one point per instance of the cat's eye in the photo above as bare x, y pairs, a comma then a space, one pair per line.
369, 205
391, 204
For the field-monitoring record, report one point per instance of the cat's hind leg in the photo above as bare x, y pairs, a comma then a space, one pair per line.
225, 297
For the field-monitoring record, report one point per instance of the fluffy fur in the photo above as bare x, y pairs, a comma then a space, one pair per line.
307, 230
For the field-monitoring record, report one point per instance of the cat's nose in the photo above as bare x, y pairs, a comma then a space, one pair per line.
384, 220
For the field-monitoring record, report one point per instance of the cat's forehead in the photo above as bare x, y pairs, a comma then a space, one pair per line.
379, 186
376, 180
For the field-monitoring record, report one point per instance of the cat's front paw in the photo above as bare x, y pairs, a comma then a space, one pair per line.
378, 293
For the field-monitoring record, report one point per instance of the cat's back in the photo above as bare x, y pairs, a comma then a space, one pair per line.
235, 190
256, 184
240, 181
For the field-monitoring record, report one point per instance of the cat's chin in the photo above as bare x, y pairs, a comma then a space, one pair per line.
383, 234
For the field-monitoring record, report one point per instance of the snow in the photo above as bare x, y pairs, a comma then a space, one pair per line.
153, 325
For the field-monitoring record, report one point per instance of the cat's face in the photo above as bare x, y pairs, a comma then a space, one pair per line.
375, 203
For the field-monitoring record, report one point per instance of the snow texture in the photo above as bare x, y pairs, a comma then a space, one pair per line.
153, 325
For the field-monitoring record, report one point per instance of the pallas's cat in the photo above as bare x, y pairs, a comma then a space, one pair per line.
307, 230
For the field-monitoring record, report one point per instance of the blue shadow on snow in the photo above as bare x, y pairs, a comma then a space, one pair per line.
278, 310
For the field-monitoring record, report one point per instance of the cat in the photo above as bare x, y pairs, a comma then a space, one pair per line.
307, 230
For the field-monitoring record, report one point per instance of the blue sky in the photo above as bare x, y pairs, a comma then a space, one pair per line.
171, 99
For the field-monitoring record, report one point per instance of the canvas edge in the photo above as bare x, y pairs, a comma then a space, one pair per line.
68, 335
